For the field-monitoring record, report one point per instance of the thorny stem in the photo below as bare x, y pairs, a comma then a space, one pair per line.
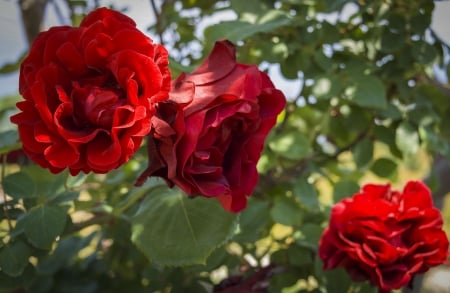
157, 21
5, 200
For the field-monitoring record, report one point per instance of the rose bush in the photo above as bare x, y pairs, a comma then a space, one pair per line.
90, 93
208, 138
385, 236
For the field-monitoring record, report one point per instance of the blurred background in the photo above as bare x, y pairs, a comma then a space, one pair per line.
368, 89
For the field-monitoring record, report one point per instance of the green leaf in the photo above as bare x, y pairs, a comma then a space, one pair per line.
327, 87
256, 7
64, 196
344, 189
333, 5
76, 181
299, 255
337, 280
9, 102
47, 184
310, 235
67, 249
299, 60
292, 145
252, 220
44, 224
9, 140
19, 185
306, 193
407, 138
14, 258
367, 91
265, 162
285, 282
8, 283
392, 41
286, 212
424, 52
239, 30
323, 61
383, 167
420, 22
363, 153
173, 229
12, 66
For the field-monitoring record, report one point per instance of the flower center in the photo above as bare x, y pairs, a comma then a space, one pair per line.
100, 106
95, 106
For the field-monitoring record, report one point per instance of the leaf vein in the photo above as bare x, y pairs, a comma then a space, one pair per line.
191, 229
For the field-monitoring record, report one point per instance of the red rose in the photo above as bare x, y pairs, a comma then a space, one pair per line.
384, 236
90, 93
15, 157
208, 138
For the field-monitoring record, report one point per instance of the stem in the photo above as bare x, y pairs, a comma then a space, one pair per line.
157, 21
58, 13
5, 200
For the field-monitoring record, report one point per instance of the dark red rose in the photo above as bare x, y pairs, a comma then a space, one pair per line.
384, 236
208, 138
256, 282
90, 93
15, 157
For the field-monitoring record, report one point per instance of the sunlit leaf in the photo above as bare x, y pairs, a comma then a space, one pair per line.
291, 144
407, 138
238, 30
367, 91
327, 87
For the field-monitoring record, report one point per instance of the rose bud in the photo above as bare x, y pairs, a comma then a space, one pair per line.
208, 138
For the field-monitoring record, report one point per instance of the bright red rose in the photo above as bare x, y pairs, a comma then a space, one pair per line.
90, 93
384, 236
208, 138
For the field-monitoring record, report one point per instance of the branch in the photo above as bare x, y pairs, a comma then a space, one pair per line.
158, 27
32, 12
5, 199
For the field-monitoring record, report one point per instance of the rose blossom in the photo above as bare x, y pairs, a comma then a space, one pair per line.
90, 93
385, 236
208, 138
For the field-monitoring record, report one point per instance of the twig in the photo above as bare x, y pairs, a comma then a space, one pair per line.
157, 21
5, 200
58, 13
32, 12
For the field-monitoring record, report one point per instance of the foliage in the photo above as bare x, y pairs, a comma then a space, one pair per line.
368, 106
